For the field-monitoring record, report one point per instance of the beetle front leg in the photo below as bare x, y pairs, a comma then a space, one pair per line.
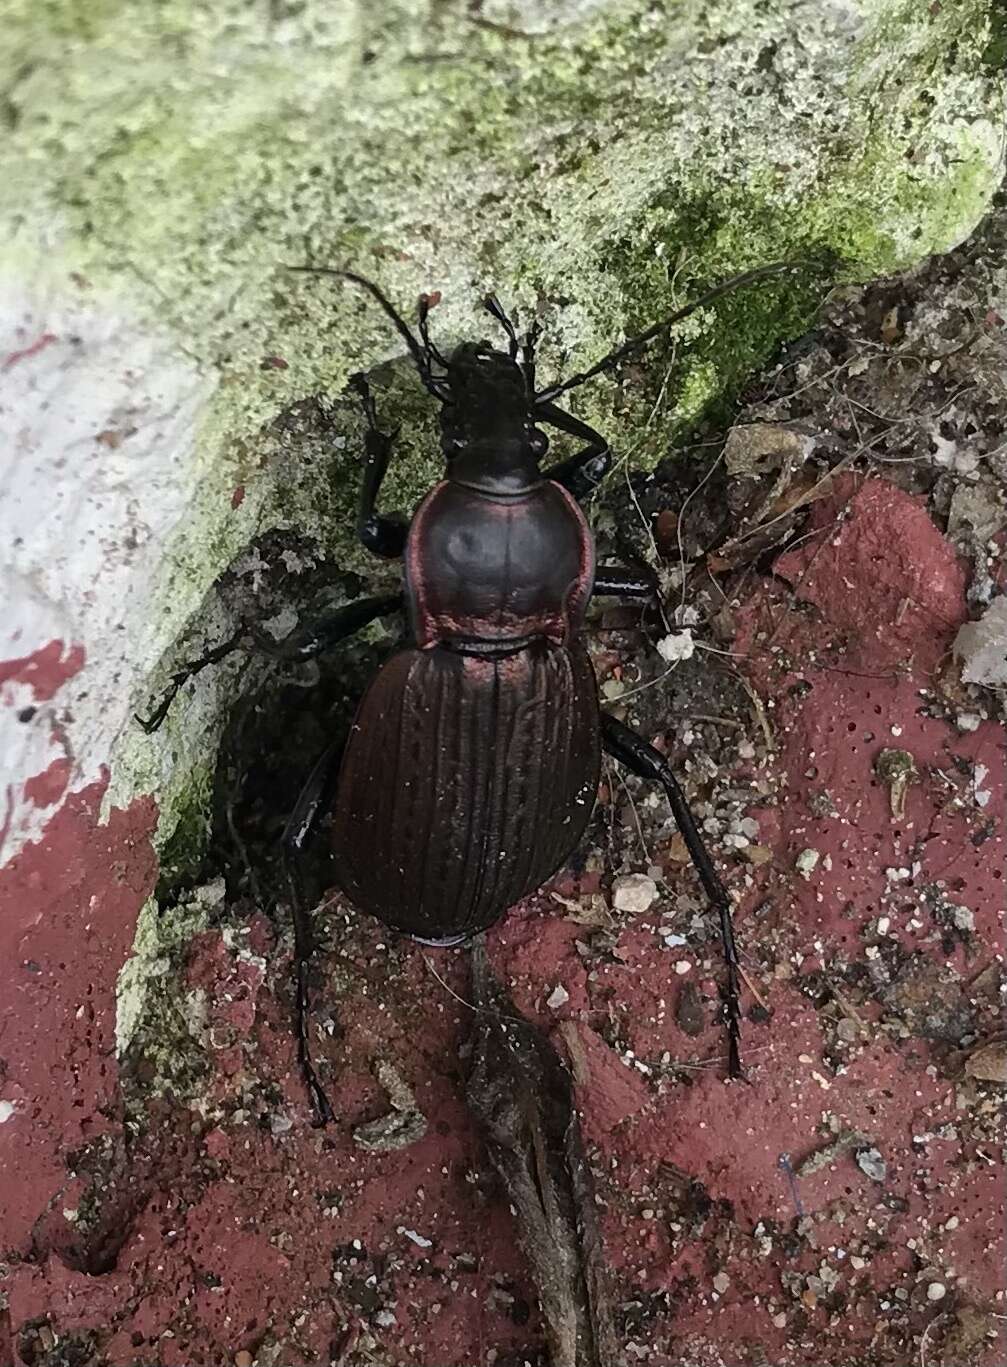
302, 644
642, 759
315, 798
382, 534
581, 473
640, 585
616, 581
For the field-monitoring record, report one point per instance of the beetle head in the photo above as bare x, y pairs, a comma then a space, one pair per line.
488, 436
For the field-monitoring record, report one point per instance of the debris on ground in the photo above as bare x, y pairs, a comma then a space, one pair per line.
403, 1125
522, 1098
982, 646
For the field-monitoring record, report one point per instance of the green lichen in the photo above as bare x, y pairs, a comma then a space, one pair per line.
159, 1019
186, 832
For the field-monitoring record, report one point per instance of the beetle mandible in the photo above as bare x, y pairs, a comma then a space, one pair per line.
472, 765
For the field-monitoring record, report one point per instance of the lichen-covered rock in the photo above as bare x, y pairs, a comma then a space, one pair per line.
596, 162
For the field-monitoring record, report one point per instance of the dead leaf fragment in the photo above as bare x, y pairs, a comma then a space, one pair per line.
890, 327
988, 1063
404, 1124
678, 850
755, 448
982, 646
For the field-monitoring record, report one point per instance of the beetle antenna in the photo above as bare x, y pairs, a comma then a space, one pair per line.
427, 302
634, 343
420, 359
528, 354
493, 306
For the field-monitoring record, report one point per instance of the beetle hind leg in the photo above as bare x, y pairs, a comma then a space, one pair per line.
640, 758
315, 798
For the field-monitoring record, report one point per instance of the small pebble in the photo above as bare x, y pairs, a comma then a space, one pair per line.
280, 1123
758, 854
806, 862
963, 918
682, 966
243, 1359
633, 892
678, 646
936, 1291
848, 1030
558, 997
869, 1161
721, 1282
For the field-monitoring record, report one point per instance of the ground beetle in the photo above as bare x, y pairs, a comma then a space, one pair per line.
472, 765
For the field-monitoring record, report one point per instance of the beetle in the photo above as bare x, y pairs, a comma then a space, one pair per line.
472, 765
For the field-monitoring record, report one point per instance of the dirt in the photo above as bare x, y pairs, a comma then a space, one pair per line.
843, 1205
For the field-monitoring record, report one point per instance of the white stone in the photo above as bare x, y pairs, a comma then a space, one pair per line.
677, 646
633, 892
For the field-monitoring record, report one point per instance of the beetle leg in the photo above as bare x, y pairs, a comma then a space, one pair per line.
316, 638
382, 534
619, 582
582, 472
493, 306
315, 797
642, 759
634, 343
303, 644
188, 671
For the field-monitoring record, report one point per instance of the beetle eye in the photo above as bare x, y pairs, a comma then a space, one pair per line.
538, 443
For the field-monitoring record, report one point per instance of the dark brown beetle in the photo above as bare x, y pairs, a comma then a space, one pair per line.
472, 765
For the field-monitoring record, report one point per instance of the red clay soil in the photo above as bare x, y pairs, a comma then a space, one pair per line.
844, 1207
